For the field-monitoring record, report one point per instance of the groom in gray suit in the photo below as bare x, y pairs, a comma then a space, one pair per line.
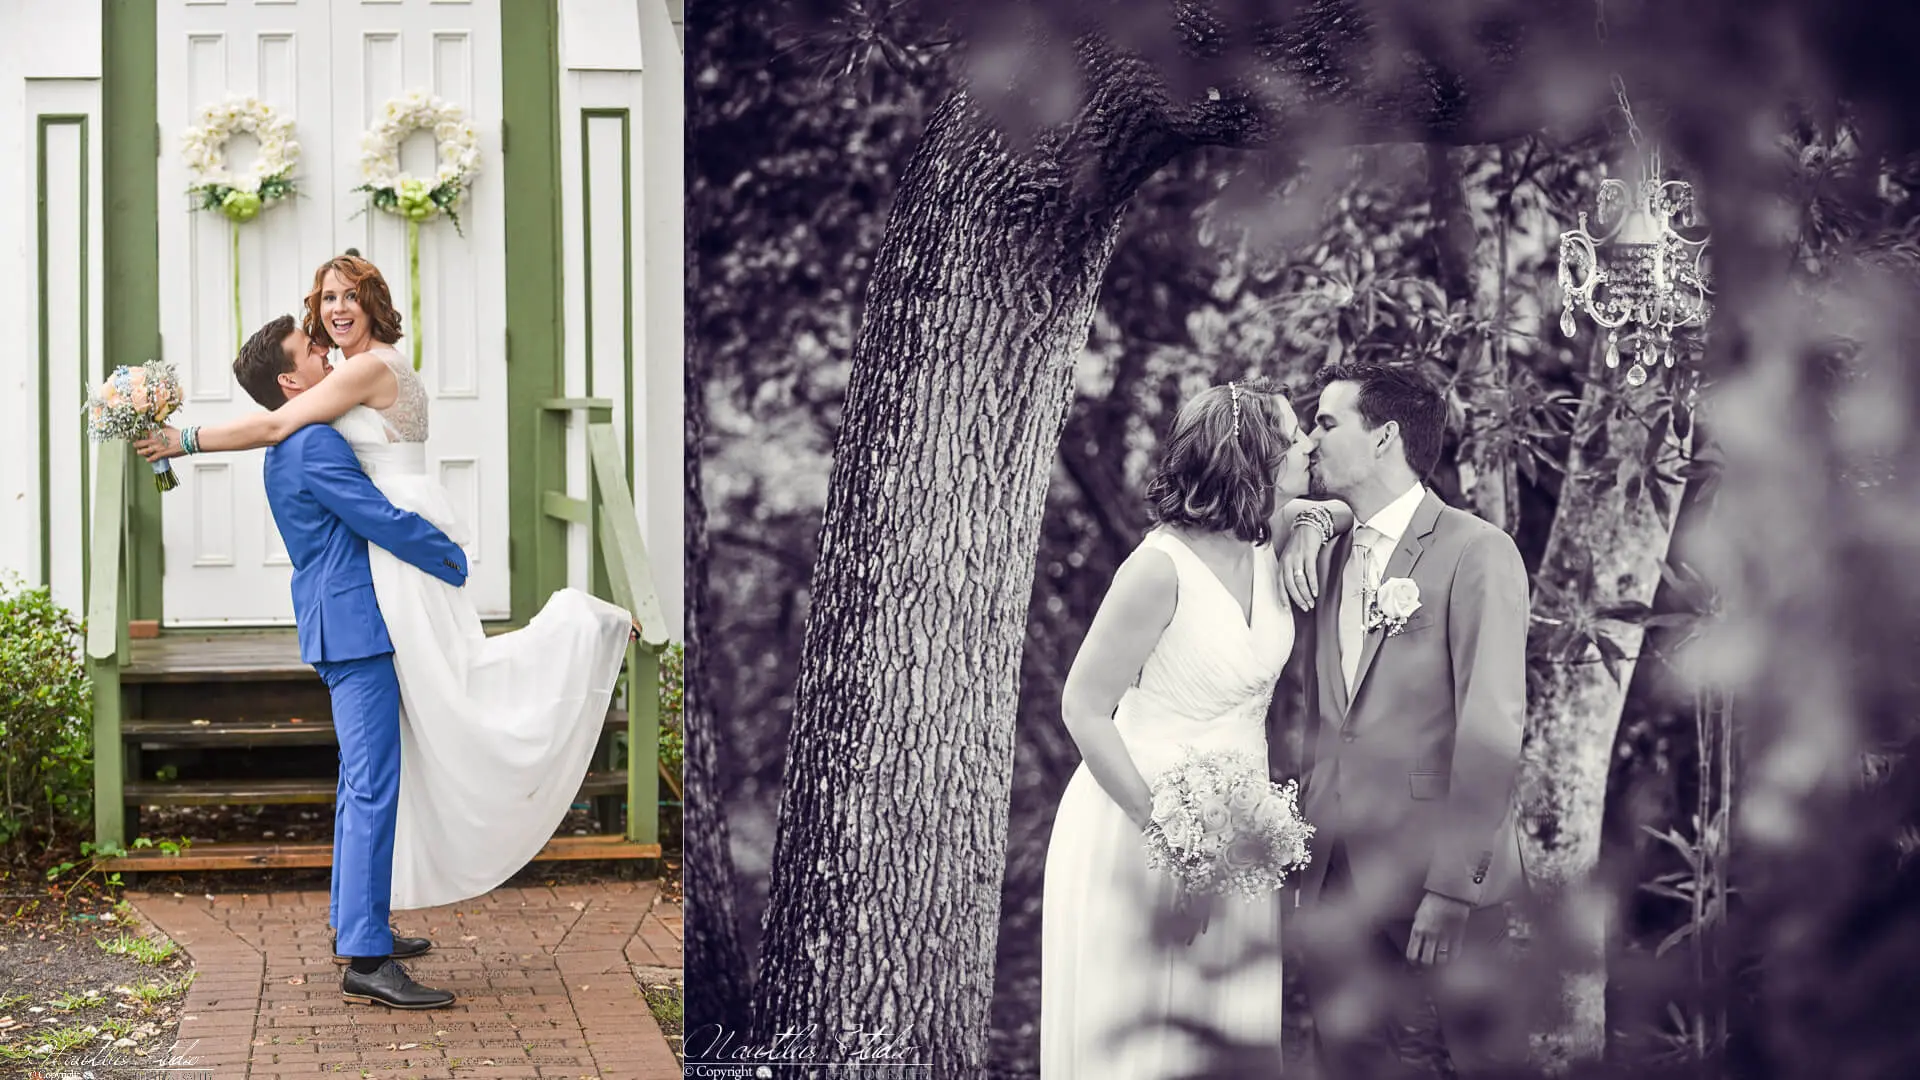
1416, 698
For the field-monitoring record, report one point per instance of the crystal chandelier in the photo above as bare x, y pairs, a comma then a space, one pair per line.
1641, 275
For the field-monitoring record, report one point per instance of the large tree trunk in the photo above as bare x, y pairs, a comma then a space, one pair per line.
718, 992
892, 830
1606, 548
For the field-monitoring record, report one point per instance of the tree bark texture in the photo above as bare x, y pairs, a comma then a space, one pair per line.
892, 831
1617, 544
718, 994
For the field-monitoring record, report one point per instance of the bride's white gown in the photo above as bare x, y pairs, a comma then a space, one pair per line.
1116, 997
496, 733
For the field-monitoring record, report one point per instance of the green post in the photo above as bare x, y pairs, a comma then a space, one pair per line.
107, 641
109, 776
131, 248
536, 308
643, 744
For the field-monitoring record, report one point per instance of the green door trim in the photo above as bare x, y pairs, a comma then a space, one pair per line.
130, 246
48, 399
536, 307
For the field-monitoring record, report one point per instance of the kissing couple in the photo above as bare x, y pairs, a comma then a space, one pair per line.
460, 753
1410, 621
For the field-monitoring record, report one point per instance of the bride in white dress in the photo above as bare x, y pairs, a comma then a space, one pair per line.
496, 733
1184, 652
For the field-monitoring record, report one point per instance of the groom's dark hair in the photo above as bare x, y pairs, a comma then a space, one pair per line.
262, 361
1399, 393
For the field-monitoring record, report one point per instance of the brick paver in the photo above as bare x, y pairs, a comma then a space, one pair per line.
548, 981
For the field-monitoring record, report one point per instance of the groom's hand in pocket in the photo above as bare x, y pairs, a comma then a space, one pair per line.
1439, 926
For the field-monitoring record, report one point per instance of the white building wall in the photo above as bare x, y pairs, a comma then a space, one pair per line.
50, 54
622, 209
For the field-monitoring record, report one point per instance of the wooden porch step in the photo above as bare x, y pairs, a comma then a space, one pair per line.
290, 731
302, 790
277, 856
261, 656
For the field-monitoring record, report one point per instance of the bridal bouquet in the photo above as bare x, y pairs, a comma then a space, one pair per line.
1219, 825
131, 404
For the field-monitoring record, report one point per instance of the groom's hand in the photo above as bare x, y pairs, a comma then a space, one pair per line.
1439, 926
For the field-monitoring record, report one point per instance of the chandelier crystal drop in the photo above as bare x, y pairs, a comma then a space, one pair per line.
1641, 279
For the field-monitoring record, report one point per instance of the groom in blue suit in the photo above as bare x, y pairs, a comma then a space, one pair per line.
327, 511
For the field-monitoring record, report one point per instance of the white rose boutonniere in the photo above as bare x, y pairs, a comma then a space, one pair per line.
1393, 604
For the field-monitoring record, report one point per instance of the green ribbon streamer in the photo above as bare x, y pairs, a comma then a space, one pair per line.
413, 285
233, 228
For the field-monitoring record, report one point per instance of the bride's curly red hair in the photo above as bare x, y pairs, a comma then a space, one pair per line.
369, 288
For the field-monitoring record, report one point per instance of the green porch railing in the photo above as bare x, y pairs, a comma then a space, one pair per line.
623, 575
107, 638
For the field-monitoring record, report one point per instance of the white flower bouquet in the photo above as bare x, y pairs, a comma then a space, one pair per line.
131, 404
1219, 825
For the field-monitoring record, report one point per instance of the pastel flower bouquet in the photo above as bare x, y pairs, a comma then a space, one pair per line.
132, 403
1219, 825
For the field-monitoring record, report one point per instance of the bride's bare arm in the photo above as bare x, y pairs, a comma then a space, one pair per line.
356, 381
1136, 611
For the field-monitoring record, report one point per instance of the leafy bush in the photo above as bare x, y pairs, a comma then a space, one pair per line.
673, 670
673, 666
46, 773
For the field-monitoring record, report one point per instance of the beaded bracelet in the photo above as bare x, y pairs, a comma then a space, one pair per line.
1319, 518
190, 439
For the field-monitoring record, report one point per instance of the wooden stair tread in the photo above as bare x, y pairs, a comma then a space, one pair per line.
265, 655
283, 731
236, 856
290, 791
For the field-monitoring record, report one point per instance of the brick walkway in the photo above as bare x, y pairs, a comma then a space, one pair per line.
548, 982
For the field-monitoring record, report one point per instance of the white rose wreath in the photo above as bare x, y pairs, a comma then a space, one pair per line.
411, 197
240, 197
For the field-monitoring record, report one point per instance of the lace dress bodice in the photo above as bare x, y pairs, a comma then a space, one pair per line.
406, 418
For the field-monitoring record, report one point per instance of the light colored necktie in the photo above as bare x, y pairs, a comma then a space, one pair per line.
1356, 588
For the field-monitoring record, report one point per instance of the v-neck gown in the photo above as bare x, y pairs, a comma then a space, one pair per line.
1117, 1000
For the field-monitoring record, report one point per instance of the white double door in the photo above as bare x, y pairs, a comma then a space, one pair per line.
330, 65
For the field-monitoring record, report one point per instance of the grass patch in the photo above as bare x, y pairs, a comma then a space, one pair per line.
70, 1001
152, 995
8, 1001
48, 1043
667, 1002
144, 949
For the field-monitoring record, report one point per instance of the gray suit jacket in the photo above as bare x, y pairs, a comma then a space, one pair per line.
1416, 774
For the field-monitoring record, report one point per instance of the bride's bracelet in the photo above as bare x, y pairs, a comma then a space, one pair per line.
190, 439
1318, 517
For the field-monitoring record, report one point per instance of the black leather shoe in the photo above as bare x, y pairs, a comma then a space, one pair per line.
404, 948
393, 987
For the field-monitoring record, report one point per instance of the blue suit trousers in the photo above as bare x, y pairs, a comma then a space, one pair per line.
366, 721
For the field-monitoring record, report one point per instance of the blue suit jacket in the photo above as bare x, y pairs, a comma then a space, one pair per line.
327, 511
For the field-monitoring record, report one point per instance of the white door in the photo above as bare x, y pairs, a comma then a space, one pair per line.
330, 64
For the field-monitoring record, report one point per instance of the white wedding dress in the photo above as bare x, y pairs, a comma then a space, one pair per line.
496, 733
1119, 1000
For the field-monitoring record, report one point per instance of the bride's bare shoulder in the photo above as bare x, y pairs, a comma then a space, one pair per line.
385, 352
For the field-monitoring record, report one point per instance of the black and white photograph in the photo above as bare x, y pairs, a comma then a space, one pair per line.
1339, 540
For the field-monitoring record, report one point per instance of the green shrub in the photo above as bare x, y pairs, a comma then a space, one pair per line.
46, 770
673, 666
673, 671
